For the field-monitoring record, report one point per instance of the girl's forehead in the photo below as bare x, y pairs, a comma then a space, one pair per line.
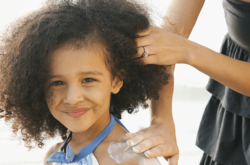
70, 59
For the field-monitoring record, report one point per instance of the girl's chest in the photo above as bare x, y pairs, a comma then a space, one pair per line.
88, 160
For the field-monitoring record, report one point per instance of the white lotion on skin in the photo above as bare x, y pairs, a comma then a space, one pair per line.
121, 151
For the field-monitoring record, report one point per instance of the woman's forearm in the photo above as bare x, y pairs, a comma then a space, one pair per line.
230, 72
161, 109
180, 18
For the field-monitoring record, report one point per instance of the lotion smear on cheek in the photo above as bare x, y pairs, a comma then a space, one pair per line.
121, 152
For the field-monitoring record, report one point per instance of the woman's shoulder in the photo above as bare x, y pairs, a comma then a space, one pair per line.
54, 148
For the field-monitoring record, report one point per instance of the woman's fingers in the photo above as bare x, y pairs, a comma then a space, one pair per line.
138, 137
144, 41
148, 49
144, 140
163, 47
157, 140
165, 149
157, 57
140, 52
173, 160
146, 38
148, 144
146, 32
152, 59
158, 148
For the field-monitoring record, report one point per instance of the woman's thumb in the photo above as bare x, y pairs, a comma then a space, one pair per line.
173, 160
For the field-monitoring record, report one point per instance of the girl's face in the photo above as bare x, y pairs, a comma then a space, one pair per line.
81, 87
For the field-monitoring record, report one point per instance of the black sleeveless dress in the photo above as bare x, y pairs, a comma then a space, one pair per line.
224, 133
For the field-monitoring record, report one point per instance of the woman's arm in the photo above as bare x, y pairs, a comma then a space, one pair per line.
159, 139
168, 49
233, 73
181, 16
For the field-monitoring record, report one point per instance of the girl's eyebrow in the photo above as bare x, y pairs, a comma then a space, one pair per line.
91, 72
81, 73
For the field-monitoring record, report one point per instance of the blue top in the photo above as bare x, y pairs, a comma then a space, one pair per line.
85, 155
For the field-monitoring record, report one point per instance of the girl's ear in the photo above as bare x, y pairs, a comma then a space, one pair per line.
116, 85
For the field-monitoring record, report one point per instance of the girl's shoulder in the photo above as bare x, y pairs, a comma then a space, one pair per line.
116, 136
103, 156
54, 148
118, 153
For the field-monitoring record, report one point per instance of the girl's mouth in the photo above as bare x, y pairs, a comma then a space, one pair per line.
77, 112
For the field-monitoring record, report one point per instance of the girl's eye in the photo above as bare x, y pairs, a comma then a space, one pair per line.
87, 80
58, 83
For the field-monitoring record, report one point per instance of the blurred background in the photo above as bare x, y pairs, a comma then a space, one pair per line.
190, 96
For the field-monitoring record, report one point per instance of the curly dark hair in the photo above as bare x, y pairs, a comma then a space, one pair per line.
26, 56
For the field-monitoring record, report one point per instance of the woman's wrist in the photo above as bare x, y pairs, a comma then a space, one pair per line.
190, 53
197, 54
163, 120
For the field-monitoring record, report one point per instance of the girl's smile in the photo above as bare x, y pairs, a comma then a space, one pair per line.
76, 112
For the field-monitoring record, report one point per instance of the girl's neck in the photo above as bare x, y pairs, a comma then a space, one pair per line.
84, 138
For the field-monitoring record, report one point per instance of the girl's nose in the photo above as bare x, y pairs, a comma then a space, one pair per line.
73, 96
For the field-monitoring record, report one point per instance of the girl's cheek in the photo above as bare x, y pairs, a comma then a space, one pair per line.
50, 104
97, 95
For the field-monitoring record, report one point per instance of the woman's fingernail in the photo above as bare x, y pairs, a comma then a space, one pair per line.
130, 143
146, 154
135, 150
128, 135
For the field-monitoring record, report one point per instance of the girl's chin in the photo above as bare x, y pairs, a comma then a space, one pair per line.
77, 129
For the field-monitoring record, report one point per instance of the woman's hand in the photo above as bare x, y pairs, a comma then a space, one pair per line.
157, 140
163, 47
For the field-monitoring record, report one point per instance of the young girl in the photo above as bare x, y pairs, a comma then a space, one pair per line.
66, 70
